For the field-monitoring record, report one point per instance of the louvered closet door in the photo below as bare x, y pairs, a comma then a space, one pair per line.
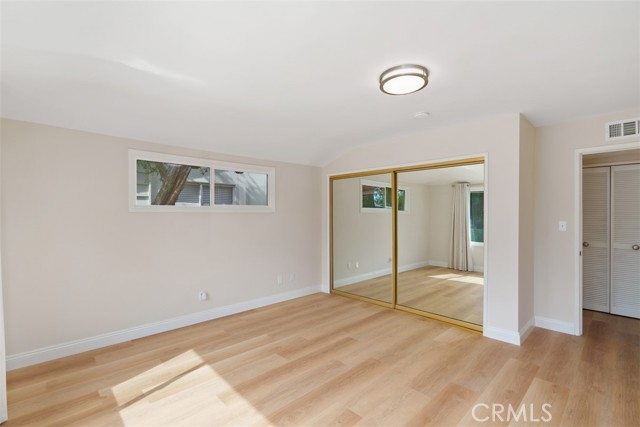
595, 247
625, 240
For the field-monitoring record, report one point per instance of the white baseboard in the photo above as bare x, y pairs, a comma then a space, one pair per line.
511, 337
555, 325
413, 266
379, 273
438, 263
526, 329
361, 277
44, 354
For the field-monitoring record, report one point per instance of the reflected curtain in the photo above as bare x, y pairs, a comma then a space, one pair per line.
460, 253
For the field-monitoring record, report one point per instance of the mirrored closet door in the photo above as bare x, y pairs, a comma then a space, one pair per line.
412, 239
362, 237
441, 242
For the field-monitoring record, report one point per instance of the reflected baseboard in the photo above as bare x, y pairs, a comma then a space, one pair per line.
379, 273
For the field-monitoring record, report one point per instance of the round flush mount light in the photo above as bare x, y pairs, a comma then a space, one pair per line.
404, 79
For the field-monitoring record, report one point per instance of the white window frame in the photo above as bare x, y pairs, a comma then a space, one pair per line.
385, 209
474, 189
213, 165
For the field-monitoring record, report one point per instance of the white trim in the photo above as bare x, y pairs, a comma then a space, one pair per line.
135, 155
499, 334
3, 365
577, 208
485, 272
511, 337
56, 351
378, 273
555, 325
526, 329
436, 263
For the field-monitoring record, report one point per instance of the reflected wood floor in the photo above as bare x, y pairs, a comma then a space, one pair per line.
440, 290
326, 360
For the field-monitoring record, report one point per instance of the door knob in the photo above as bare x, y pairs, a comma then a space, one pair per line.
635, 247
585, 244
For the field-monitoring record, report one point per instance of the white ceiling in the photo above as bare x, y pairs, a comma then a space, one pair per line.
297, 81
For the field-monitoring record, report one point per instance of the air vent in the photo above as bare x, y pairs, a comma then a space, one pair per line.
623, 128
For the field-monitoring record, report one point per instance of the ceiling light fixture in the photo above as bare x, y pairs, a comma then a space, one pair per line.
404, 79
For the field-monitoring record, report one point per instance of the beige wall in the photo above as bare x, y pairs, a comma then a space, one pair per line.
499, 138
440, 207
555, 192
77, 263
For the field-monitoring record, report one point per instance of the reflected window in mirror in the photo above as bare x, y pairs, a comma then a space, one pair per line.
476, 215
376, 197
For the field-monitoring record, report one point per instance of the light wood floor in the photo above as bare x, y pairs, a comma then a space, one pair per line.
451, 293
326, 360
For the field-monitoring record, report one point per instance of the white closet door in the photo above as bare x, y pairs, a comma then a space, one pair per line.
625, 240
595, 230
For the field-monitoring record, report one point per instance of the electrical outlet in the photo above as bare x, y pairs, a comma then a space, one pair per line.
357, 264
202, 296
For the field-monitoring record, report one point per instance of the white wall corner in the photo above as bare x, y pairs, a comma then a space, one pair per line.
526, 329
555, 325
511, 337
436, 263
44, 354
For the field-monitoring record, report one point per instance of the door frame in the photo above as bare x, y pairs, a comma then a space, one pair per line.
579, 153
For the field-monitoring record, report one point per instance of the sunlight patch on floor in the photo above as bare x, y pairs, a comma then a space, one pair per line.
172, 393
445, 276
469, 279
460, 278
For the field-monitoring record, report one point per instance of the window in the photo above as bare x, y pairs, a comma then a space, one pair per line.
160, 182
376, 197
171, 184
476, 216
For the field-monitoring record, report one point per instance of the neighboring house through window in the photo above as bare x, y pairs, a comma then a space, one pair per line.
160, 182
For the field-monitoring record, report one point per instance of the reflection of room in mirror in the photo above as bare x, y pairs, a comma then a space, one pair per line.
427, 238
362, 235
363, 246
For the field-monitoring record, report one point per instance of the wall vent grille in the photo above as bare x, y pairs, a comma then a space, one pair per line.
623, 129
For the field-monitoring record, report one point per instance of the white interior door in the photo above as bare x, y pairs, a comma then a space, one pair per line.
625, 240
595, 230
